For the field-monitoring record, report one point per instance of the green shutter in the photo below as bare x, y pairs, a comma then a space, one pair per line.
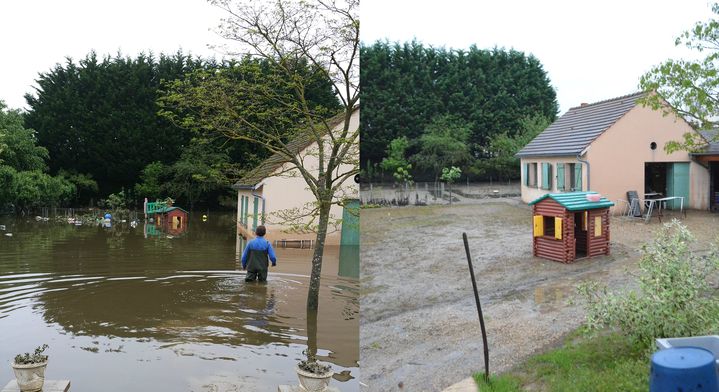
526, 174
545, 175
242, 208
560, 176
254, 217
247, 210
577, 176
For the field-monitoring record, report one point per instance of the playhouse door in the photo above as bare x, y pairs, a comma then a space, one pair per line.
580, 234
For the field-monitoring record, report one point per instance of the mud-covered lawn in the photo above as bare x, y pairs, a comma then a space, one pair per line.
419, 329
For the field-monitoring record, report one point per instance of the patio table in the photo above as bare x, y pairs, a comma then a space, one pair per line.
650, 203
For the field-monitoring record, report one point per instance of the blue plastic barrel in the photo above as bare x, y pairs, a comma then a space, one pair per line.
683, 369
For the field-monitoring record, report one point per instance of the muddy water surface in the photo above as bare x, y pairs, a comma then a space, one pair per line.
127, 308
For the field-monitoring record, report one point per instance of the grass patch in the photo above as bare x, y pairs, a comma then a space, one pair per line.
598, 363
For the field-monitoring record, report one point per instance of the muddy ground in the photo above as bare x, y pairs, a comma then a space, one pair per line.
419, 329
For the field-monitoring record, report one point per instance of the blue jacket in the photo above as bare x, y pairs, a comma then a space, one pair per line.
261, 244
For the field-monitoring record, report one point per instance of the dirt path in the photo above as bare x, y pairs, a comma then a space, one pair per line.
419, 326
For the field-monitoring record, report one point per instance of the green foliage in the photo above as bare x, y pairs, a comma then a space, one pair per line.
450, 175
22, 180
36, 357
396, 155
501, 162
690, 87
199, 174
402, 175
18, 147
499, 383
152, 179
97, 116
199, 171
598, 363
396, 161
244, 101
673, 297
444, 143
408, 85
35, 189
85, 186
115, 201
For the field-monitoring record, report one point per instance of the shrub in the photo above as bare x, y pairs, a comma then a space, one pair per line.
673, 297
36, 357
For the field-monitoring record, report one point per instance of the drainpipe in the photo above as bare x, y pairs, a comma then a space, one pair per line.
263, 200
589, 188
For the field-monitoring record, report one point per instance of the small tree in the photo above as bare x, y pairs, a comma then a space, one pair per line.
690, 87
444, 143
674, 297
299, 44
450, 175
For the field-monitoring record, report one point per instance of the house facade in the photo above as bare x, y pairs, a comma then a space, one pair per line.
613, 147
274, 192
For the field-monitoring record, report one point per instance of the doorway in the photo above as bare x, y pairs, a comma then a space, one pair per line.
714, 186
580, 234
663, 179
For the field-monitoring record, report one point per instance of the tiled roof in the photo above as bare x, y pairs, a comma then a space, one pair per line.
576, 201
712, 137
269, 165
578, 128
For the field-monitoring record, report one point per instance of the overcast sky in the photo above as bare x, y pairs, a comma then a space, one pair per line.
591, 50
37, 34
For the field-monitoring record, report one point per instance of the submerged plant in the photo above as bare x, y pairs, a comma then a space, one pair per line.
36, 357
674, 296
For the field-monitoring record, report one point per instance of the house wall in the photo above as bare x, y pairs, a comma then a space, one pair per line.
284, 192
530, 193
617, 157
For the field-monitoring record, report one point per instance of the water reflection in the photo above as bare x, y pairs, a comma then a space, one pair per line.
173, 312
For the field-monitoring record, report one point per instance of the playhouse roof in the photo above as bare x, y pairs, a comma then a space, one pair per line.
578, 127
576, 201
167, 209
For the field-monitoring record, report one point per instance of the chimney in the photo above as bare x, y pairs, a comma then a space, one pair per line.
583, 104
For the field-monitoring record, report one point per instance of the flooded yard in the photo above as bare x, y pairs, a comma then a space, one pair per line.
126, 308
419, 328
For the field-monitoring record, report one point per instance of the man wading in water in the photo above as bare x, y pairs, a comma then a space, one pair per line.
255, 257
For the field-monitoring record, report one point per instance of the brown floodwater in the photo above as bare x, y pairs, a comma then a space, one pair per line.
138, 309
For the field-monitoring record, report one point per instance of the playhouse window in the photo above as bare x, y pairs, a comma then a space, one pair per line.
548, 226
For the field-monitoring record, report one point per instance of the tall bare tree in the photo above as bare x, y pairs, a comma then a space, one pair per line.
302, 42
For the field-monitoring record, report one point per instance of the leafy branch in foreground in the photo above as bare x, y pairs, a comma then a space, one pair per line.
674, 297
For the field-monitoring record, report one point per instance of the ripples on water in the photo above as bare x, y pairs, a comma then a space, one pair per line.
124, 312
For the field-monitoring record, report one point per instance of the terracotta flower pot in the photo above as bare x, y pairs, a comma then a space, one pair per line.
30, 377
314, 382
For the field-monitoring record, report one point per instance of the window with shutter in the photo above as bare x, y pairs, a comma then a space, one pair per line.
560, 176
577, 186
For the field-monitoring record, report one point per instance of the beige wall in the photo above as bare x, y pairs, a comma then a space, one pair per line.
533, 192
287, 191
617, 158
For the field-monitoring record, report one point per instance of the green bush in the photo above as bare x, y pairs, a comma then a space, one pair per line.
673, 299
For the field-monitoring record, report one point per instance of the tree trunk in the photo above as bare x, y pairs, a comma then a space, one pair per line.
313, 295
311, 334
